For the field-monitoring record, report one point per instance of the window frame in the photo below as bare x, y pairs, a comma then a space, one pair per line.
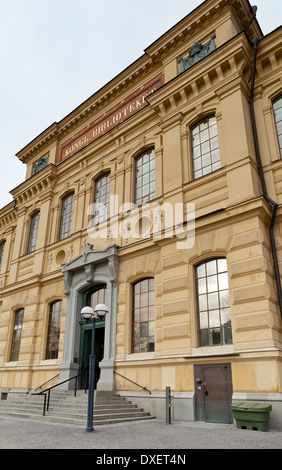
278, 123
63, 233
51, 335
16, 337
136, 343
33, 231
139, 200
2, 251
102, 217
211, 158
211, 306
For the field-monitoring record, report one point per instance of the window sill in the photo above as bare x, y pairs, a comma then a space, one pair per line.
208, 351
140, 356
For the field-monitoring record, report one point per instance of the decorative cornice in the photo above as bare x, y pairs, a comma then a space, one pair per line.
41, 183
136, 72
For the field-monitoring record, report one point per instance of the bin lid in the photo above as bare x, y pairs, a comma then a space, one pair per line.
251, 406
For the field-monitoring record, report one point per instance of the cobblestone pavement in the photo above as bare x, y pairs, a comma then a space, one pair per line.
153, 434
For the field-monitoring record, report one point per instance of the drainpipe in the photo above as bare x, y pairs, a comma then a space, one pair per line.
272, 204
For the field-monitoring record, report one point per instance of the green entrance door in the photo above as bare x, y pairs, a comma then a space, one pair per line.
91, 298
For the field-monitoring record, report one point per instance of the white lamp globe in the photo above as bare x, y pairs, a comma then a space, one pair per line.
101, 310
87, 313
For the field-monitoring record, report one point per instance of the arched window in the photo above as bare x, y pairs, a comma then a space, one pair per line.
95, 297
102, 198
145, 177
143, 316
17, 334
33, 232
66, 216
2, 249
213, 305
54, 326
277, 107
205, 147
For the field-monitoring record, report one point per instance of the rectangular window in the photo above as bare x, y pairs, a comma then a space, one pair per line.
102, 199
145, 180
205, 146
143, 335
2, 249
17, 334
33, 232
66, 217
213, 306
53, 337
277, 106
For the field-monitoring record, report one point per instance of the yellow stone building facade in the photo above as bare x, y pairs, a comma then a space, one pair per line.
186, 142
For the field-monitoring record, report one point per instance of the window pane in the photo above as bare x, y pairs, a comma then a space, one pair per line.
222, 265
226, 336
207, 169
214, 318
144, 329
202, 302
151, 328
215, 337
151, 313
224, 299
205, 140
225, 316
202, 286
215, 156
198, 174
211, 268
151, 344
213, 301
212, 283
144, 314
203, 319
223, 281
201, 270
204, 337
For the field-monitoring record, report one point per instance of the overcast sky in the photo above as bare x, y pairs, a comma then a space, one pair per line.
56, 53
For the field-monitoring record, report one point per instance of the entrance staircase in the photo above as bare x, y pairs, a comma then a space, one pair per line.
64, 408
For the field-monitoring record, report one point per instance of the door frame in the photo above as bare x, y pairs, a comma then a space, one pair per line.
85, 328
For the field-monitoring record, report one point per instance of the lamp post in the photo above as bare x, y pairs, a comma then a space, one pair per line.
89, 314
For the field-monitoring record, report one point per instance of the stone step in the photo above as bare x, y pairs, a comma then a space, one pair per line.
80, 420
98, 417
65, 408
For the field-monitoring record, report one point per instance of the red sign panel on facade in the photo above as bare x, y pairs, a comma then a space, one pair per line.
115, 116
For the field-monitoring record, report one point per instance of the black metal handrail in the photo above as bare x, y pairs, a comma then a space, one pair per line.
47, 381
144, 388
47, 391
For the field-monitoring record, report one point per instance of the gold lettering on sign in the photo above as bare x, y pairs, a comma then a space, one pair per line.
129, 106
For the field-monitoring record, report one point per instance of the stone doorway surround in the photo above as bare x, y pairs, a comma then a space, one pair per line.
91, 268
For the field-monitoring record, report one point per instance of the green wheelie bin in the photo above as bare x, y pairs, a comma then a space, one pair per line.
252, 416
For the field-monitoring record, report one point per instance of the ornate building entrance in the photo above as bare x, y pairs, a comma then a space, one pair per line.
88, 277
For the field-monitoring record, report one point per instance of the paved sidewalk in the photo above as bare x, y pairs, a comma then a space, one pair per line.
153, 434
